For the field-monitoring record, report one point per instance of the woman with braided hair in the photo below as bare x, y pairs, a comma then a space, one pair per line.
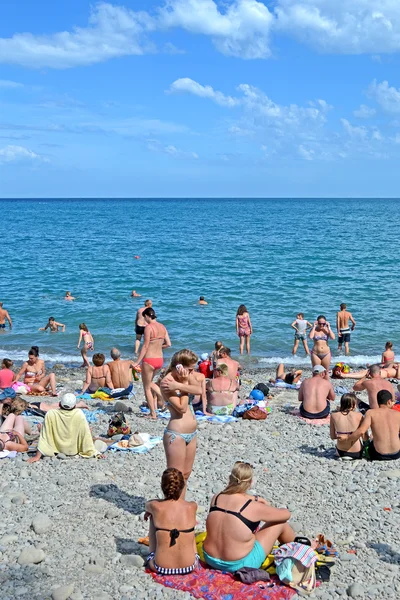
172, 550
181, 432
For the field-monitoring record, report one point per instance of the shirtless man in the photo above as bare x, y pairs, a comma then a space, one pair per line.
121, 370
202, 301
140, 324
233, 365
343, 329
53, 326
134, 294
315, 394
385, 427
373, 383
3, 317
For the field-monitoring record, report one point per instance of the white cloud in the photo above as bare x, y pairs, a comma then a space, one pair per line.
364, 112
112, 31
347, 26
11, 154
306, 154
6, 84
185, 84
241, 29
359, 132
171, 150
387, 97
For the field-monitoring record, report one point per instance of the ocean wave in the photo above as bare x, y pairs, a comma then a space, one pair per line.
358, 360
21, 356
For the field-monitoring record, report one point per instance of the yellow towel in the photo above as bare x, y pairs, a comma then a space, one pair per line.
66, 431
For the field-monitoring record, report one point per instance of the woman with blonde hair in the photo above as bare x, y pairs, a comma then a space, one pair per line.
244, 328
181, 432
234, 536
172, 550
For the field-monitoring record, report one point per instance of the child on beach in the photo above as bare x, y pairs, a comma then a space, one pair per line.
214, 356
6, 375
387, 358
88, 343
244, 328
300, 325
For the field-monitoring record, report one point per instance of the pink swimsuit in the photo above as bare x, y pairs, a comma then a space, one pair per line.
243, 325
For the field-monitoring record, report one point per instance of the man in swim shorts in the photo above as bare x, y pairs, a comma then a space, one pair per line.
140, 324
343, 329
3, 317
121, 372
315, 395
385, 426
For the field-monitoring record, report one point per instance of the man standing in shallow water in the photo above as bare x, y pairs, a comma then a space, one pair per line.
342, 323
3, 316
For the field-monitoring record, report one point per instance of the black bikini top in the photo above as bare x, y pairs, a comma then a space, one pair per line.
252, 525
174, 533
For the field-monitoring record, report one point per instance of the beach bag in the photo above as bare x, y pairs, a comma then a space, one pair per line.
118, 425
293, 573
255, 414
262, 387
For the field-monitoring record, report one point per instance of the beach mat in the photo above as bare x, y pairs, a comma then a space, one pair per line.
325, 421
210, 584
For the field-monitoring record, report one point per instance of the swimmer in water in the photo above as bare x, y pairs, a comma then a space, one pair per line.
134, 294
68, 296
202, 301
53, 325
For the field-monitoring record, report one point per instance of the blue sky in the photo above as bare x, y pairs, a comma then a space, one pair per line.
199, 98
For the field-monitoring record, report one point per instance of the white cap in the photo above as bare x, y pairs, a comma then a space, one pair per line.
204, 356
68, 401
318, 369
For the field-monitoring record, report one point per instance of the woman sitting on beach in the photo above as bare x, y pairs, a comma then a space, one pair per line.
290, 378
12, 434
222, 392
88, 343
172, 550
181, 431
34, 372
98, 376
320, 334
234, 537
156, 338
345, 421
244, 328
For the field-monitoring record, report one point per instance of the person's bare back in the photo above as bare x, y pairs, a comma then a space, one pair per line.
343, 319
373, 386
121, 373
385, 427
314, 394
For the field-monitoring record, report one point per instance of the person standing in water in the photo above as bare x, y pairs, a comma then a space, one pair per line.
342, 323
3, 317
244, 328
140, 324
53, 325
300, 325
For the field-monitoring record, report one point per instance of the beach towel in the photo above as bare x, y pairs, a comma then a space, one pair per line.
210, 584
200, 416
282, 384
92, 415
66, 432
325, 421
147, 446
340, 390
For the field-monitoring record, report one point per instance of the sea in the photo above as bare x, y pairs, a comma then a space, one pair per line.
276, 256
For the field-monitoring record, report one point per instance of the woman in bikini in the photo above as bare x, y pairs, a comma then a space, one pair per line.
88, 343
320, 333
98, 376
181, 431
156, 338
222, 392
12, 434
172, 550
234, 537
34, 372
344, 422
244, 328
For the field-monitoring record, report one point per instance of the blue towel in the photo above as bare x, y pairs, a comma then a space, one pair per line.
138, 449
340, 389
92, 415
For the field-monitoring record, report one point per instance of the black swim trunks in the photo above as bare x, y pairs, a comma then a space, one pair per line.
139, 330
2, 326
321, 415
373, 454
353, 455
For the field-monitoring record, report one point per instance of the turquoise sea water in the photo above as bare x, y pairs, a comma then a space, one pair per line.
276, 256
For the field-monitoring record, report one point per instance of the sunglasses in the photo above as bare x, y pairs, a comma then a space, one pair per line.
321, 324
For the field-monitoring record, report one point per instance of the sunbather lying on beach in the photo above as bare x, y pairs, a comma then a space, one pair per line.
292, 377
233, 539
387, 373
12, 434
171, 534
344, 422
34, 372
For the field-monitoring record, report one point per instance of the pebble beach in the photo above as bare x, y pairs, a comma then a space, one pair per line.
70, 527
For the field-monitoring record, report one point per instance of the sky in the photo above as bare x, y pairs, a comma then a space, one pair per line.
199, 98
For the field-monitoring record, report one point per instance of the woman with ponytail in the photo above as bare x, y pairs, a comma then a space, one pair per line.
234, 536
172, 550
34, 372
180, 434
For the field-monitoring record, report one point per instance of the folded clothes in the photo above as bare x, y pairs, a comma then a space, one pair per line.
282, 384
340, 389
